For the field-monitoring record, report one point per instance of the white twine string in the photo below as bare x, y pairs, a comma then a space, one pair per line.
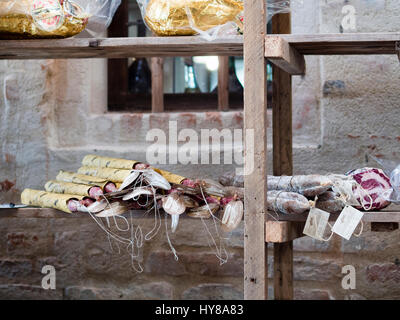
219, 250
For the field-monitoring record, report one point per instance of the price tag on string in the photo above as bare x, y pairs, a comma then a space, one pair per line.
347, 222
316, 223
345, 189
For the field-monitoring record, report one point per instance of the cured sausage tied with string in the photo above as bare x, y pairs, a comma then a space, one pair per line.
109, 187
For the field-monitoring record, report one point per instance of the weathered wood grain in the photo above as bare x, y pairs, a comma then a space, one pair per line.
282, 231
283, 160
283, 271
223, 84
384, 226
157, 84
255, 125
75, 48
342, 43
286, 57
377, 216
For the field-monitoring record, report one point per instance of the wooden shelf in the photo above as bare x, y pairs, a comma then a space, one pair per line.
287, 51
77, 48
340, 43
378, 216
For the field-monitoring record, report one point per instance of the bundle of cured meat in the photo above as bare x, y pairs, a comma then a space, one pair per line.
372, 188
64, 202
287, 202
330, 202
307, 185
73, 188
107, 187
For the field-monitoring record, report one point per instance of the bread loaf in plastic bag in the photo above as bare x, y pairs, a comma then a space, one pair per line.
40, 19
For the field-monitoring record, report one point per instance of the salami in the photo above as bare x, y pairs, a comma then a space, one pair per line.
330, 202
307, 185
287, 202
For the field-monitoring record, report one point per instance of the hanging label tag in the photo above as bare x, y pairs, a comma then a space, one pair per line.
347, 222
345, 189
316, 223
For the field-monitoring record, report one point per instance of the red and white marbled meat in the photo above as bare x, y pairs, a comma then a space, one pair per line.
372, 184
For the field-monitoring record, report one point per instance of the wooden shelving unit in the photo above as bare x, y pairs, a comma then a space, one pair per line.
287, 52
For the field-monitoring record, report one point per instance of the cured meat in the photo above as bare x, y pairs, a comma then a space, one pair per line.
64, 202
307, 185
287, 202
372, 188
330, 202
230, 179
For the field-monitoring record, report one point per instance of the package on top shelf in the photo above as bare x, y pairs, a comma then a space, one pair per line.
39, 19
210, 19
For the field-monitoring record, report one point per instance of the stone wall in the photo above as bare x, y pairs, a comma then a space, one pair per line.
54, 112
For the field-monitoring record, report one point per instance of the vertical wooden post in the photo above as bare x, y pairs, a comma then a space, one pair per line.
283, 162
223, 83
157, 85
255, 125
118, 68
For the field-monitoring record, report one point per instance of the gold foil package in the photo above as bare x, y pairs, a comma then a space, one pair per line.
189, 17
41, 19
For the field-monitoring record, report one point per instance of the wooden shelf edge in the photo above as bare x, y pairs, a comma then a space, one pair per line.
284, 56
283, 231
376, 216
79, 48
341, 43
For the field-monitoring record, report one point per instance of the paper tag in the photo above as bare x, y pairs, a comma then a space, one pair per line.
316, 223
345, 189
347, 222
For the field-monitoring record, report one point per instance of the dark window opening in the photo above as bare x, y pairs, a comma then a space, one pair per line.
189, 83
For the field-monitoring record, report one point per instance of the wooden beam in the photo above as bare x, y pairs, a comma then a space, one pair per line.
117, 69
283, 163
281, 54
343, 43
283, 271
281, 231
79, 48
384, 226
255, 127
385, 216
223, 83
157, 85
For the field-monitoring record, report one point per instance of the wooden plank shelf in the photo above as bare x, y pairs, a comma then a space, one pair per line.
378, 216
78, 48
287, 51
340, 43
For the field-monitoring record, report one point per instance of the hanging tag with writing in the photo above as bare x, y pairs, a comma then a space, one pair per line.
316, 223
347, 222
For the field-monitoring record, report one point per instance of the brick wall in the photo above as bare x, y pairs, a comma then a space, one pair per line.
54, 112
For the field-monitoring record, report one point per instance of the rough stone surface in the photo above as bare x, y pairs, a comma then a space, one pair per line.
211, 291
313, 294
153, 291
306, 268
28, 292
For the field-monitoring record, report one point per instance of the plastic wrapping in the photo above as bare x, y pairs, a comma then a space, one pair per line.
207, 18
36, 19
392, 169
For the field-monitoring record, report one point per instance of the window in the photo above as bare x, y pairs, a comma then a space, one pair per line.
189, 83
